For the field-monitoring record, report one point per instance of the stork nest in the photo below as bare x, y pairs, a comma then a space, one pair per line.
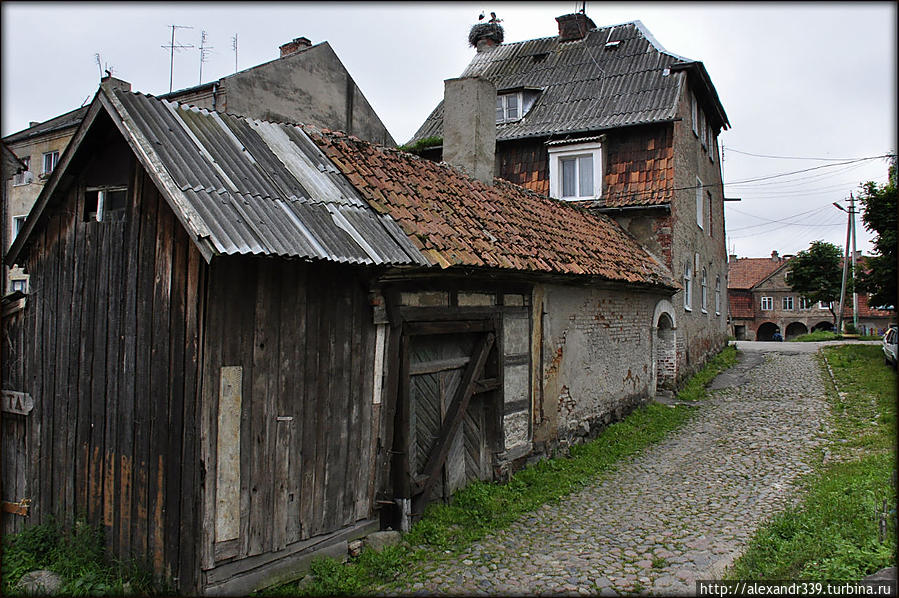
480, 31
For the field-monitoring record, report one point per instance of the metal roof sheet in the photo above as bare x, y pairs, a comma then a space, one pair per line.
586, 86
264, 188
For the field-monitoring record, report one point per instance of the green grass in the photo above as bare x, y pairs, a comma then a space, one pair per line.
421, 145
480, 508
80, 558
833, 532
817, 336
694, 389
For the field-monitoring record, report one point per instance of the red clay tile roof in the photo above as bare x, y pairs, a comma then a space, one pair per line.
740, 304
458, 221
865, 310
746, 272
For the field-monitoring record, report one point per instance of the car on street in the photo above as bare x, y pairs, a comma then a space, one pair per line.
889, 346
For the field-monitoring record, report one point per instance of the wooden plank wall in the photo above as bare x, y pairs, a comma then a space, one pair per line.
304, 338
13, 427
112, 345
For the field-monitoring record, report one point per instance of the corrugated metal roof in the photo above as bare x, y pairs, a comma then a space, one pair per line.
586, 86
262, 188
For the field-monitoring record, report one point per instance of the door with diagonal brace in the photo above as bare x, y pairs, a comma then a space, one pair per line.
447, 389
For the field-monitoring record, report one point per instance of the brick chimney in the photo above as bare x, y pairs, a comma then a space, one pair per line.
485, 36
469, 126
574, 26
109, 83
292, 47
774, 256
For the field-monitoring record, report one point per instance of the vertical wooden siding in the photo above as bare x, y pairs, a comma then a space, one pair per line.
13, 427
304, 338
112, 346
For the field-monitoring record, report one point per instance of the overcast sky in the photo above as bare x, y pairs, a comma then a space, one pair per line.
804, 80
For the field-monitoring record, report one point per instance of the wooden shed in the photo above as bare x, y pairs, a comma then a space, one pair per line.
248, 342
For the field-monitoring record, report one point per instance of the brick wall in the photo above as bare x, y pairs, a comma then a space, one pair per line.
597, 359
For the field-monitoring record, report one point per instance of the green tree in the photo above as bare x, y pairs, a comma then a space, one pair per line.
816, 273
878, 278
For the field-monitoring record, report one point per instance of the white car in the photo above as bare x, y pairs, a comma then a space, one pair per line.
889, 346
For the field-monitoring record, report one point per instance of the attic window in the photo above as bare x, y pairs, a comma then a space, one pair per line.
508, 107
613, 45
105, 204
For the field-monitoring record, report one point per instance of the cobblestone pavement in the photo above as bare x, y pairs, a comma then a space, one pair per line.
681, 510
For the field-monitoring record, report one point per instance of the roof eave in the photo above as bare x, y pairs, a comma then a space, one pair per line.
705, 80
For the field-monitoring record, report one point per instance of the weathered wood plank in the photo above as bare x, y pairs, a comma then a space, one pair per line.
175, 463
367, 427
241, 301
159, 382
143, 397
117, 259
189, 538
340, 480
280, 482
291, 376
323, 434
128, 365
64, 394
311, 403
53, 414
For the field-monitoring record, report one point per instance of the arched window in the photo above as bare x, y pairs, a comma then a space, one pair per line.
688, 287
705, 291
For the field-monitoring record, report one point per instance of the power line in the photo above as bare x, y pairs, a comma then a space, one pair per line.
730, 149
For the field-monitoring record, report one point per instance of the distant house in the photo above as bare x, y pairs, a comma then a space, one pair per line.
761, 303
247, 342
606, 118
308, 83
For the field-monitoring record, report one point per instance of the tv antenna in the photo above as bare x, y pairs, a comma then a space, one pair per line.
204, 53
173, 46
234, 47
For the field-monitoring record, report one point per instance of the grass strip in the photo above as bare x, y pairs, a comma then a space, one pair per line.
482, 507
839, 531
78, 556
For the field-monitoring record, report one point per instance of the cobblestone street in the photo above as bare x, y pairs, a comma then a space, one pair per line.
682, 510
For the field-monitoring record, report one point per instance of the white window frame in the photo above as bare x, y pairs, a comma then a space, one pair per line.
694, 114
787, 302
767, 304
18, 284
804, 304
703, 130
717, 295
54, 158
704, 281
700, 201
24, 177
102, 192
503, 100
823, 305
558, 153
18, 223
688, 287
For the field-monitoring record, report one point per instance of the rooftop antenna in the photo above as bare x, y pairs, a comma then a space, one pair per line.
173, 46
99, 64
584, 7
234, 47
204, 53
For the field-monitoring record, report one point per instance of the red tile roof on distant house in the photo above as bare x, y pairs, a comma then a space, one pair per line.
741, 305
746, 272
458, 221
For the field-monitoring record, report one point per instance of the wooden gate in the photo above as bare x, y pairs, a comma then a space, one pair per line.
449, 367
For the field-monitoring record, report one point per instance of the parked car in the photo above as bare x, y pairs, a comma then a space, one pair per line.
889, 346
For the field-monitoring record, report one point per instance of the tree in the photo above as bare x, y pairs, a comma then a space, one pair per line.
879, 215
816, 273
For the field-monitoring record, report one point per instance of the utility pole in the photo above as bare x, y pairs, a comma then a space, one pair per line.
845, 263
854, 294
173, 46
204, 52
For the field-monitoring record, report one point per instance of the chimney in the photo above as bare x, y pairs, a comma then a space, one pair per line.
574, 26
32, 123
485, 36
774, 256
109, 83
298, 43
732, 258
469, 126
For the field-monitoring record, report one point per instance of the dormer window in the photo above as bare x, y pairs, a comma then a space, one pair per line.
508, 107
575, 171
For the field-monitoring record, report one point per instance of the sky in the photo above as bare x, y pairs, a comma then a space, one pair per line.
809, 88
